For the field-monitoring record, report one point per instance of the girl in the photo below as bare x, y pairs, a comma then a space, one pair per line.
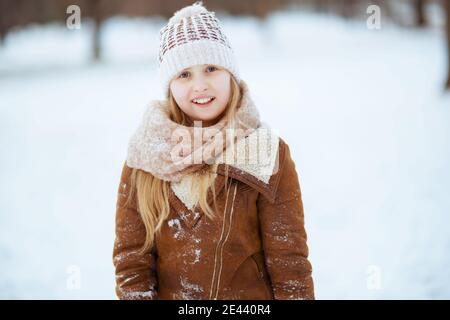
218, 213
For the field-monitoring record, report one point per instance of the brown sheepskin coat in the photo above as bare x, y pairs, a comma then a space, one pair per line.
255, 249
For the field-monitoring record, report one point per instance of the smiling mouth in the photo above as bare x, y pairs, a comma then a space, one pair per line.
203, 104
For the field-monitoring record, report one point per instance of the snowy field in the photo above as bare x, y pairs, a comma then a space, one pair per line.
363, 112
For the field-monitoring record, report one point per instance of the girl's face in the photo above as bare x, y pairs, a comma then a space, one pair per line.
193, 88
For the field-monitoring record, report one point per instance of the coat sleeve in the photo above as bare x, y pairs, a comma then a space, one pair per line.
284, 236
135, 271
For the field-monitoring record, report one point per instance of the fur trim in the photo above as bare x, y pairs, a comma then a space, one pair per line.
255, 155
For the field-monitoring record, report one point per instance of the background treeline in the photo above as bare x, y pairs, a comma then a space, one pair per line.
20, 13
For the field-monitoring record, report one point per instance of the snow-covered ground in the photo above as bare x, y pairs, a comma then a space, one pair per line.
363, 113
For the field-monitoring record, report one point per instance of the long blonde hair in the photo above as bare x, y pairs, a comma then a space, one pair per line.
152, 194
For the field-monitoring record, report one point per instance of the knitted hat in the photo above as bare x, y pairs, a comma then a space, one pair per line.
193, 36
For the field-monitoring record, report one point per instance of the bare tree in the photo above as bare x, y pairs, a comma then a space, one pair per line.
419, 6
447, 10
97, 16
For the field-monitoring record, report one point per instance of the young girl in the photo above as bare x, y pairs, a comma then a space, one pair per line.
218, 215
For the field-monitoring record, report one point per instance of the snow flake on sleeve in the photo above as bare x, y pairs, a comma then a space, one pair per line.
189, 291
136, 295
126, 254
294, 288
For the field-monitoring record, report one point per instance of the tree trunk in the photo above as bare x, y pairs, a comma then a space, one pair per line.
447, 10
97, 14
96, 39
420, 13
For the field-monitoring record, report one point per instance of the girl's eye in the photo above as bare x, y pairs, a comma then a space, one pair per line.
183, 74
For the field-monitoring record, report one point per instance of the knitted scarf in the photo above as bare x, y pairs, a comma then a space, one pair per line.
154, 146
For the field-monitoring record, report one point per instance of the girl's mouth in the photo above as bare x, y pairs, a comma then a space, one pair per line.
204, 104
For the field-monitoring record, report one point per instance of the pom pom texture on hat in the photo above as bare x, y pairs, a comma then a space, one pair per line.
189, 11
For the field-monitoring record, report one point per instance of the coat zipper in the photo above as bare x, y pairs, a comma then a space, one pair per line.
215, 253
223, 243
215, 284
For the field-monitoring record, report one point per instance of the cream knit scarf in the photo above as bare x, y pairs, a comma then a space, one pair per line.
152, 146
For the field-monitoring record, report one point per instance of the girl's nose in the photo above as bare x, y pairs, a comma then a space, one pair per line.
200, 85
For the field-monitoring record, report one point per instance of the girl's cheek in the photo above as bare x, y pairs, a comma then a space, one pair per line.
187, 101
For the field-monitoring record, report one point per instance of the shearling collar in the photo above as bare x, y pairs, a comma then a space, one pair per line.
261, 156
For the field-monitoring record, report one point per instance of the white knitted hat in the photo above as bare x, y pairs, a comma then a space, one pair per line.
193, 36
